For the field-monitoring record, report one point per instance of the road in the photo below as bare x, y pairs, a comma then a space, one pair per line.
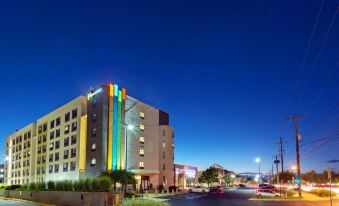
237, 198
4, 202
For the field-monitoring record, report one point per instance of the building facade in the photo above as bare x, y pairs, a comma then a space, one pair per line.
104, 131
185, 176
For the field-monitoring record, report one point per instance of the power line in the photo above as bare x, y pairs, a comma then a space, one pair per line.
317, 58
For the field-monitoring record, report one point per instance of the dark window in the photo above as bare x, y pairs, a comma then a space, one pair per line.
50, 169
66, 154
51, 124
50, 158
73, 139
58, 121
43, 159
94, 117
73, 165
51, 135
73, 152
38, 170
57, 133
51, 146
74, 113
66, 141
56, 156
56, 168
65, 166
44, 138
44, 148
57, 144
39, 140
45, 127
94, 132
74, 126
67, 117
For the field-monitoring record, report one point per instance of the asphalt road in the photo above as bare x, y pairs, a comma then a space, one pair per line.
14, 203
237, 198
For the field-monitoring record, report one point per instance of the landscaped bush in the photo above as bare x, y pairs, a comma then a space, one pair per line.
2, 186
59, 186
322, 192
41, 186
82, 185
50, 185
32, 186
12, 187
88, 185
95, 185
105, 183
68, 185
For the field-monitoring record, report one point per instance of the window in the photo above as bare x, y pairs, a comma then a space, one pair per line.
44, 129
163, 166
142, 140
163, 155
57, 121
66, 154
51, 135
56, 168
50, 158
94, 103
56, 156
94, 117
73, 165
73, 139
57, 133
142, 152
66, 129
38, 170
27, 163
51, 124
44, 138
163, 144
73, 152
39, 150
67, 117
50, 169
43, 170
43, 159
141, 165
142, 115
142, 127
94, 132
94, 147
51, 146
66, 141
44, 148
93, 161
65, 166
74, 126
57, 144
74, 113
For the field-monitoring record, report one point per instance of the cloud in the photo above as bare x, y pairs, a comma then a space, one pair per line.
333, 161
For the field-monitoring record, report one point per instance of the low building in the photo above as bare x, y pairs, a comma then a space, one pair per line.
185, 176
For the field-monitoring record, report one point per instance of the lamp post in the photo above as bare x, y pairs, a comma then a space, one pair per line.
257, 160
294, 169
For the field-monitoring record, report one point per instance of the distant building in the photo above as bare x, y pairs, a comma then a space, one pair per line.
221, 172
185, 176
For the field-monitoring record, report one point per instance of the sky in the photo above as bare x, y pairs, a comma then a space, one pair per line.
228, 72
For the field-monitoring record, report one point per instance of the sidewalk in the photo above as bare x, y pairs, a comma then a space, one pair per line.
305, 196
24, 201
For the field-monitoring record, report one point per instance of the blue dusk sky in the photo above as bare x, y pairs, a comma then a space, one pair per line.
226, 71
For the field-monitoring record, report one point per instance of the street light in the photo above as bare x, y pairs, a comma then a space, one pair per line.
257, 160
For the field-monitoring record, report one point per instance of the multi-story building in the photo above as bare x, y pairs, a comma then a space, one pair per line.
104, 131
2, 173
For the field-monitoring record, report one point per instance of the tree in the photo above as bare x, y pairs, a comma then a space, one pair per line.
121, 176
209, 176
310, 176
285, 177
228, 179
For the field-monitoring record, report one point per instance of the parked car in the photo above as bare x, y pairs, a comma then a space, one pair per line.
217, 189
267, 193
269, 187
199, 189
174, 188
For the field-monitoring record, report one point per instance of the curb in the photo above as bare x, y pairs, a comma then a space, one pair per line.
25, 201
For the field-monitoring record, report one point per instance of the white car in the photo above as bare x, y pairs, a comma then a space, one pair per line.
268, 193
199, 189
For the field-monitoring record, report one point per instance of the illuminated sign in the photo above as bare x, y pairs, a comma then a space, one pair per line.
187, 172
93, 92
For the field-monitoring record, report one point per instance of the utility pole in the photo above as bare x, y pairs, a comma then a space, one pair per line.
282, 152
276, 162
297, 136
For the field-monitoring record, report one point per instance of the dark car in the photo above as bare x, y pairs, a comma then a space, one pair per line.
217, 189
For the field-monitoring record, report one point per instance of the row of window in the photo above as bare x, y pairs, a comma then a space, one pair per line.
18, 164
18, 173
57, 121
56, 144
67, 154
71, 166
18, 139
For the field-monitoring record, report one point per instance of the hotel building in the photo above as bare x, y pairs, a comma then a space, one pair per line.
104, 131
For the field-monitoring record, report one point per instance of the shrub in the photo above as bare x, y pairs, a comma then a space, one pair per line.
68, 185
322, 192
105, 183
59, 186
32, 186
76, 186
81, 185
50, 185
2, 186
41, 186
95, 185
12, 187
24, 187
88, 185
